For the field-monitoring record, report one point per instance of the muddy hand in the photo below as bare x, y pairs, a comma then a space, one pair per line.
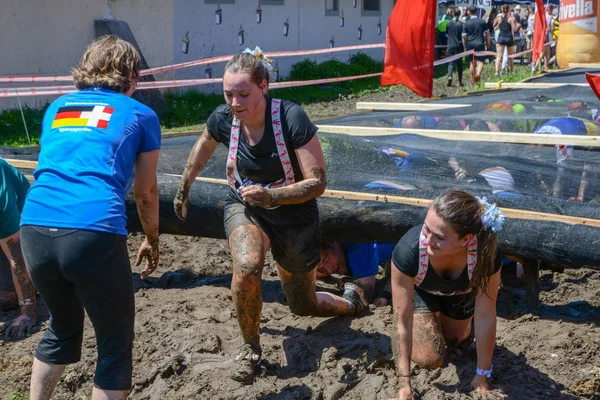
480, 383
20, 328
180, 204
150, 253
256, 196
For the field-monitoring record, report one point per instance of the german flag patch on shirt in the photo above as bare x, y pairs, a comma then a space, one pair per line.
90, 116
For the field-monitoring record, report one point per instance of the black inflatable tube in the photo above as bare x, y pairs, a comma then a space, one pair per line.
362, 221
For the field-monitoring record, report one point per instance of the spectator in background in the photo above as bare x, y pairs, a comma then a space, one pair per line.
476, 36
518, 32
506, 26
490, 23
455, 46
465, 14
441, 37
546, 49
529, 28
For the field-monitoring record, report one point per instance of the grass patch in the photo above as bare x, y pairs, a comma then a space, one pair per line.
12, 130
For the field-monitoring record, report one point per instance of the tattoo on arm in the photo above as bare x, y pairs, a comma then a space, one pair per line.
302, 191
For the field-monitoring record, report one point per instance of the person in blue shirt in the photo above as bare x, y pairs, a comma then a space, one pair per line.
577, 123
16, 290
73, 225
357, 261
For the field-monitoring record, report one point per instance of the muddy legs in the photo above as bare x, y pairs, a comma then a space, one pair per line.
432, 334
303, 299
248, 247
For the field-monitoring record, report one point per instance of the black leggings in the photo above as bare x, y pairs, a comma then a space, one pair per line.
73, 270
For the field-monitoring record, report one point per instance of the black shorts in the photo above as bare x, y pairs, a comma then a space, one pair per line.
76, 270
295, 247
455, 307
477, 49
505, 42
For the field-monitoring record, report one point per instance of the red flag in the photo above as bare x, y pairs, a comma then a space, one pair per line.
409, 46
594, 81
540, 30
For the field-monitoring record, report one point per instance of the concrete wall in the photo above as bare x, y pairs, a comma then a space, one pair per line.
310, 28
48, 37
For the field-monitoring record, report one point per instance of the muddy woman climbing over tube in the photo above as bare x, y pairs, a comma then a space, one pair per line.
276, 170
445, 277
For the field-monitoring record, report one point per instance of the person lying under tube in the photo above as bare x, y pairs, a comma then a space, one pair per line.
579, 122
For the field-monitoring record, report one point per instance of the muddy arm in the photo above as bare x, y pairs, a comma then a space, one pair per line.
201, 152
11, 246
402, 294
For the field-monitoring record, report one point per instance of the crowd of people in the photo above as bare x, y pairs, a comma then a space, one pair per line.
505, 32
98, 142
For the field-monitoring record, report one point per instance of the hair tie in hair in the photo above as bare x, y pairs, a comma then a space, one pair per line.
492, 217
257, 52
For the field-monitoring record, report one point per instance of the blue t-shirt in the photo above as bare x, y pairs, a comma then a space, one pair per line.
89, 145
563, 126
363, 259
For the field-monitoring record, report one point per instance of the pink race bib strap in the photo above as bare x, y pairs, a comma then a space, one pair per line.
284, 156
424, 259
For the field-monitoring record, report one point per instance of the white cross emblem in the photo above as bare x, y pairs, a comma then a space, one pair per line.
96, 115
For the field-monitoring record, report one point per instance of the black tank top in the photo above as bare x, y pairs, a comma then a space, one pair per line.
505, 35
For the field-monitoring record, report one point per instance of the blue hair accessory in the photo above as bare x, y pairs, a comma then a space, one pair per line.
492, 217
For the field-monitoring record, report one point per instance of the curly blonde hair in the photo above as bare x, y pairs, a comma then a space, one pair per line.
109, 62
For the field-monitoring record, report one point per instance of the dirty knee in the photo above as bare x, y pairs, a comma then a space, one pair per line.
248, 270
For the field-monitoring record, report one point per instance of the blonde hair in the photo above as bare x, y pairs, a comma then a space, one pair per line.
109, 62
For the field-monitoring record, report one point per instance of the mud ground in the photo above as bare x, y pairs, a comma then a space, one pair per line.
186, 334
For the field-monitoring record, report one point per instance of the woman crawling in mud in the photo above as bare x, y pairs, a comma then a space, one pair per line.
445, 274
276, 170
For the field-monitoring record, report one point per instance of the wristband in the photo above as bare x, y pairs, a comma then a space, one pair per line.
386, 294
25, 302
484, 372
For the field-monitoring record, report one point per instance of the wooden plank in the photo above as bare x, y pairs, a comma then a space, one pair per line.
529, 85
383, 106
23, 164
360, 196
585, 65
471, 136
